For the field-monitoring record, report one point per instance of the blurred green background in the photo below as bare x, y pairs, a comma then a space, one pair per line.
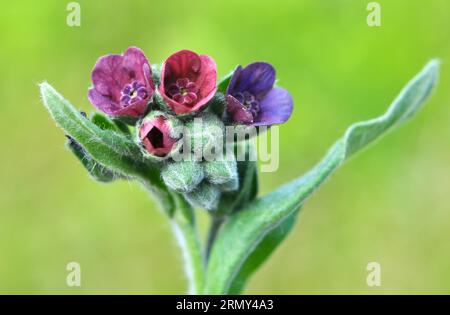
390, 204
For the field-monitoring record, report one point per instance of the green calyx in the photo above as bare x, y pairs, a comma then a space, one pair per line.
205, 196
222, 171
183, 176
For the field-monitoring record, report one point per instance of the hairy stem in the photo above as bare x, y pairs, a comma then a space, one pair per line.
185, 230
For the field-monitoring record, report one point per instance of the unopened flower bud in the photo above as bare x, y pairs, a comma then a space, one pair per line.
183, 176
156, 135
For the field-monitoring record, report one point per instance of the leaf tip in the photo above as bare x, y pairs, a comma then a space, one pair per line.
45, 88
432, 68
434, 63
44, 85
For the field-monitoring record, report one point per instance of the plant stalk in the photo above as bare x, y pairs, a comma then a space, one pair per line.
185, 230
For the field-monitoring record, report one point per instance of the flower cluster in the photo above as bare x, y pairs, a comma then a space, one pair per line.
156, 100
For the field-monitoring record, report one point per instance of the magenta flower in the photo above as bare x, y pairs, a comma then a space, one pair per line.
122, 84
252, 99
188, 81
154, 134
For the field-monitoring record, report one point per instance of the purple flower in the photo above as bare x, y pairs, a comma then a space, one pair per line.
122, 84
252, 99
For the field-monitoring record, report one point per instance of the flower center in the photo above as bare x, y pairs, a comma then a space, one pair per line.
249, 101
156, 138
183, 91
132, 93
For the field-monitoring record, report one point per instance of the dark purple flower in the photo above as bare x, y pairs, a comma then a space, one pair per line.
252, 99
122, 84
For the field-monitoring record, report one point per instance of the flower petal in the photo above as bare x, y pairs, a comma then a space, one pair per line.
275, 108
106, 74
206, 81
257, 78
114, 73
200, 70
136, 66
103, 103
190, 98
234, 79
183, 82
238, 112
192, 87
182, 64
135, 109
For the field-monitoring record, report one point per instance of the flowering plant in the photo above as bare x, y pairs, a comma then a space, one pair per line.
149, 132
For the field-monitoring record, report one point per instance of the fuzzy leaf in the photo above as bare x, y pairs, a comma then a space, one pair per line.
96, 170
121, 126
105, 123
109, 148
262, 252
241, 236
113, 150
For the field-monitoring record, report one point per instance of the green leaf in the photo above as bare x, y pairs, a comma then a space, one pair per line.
223, 83
105, 123
122, 126
111, 149
108, 148
96, 170
262, 252
243, 233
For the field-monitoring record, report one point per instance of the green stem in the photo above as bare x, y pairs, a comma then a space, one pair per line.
185, 230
